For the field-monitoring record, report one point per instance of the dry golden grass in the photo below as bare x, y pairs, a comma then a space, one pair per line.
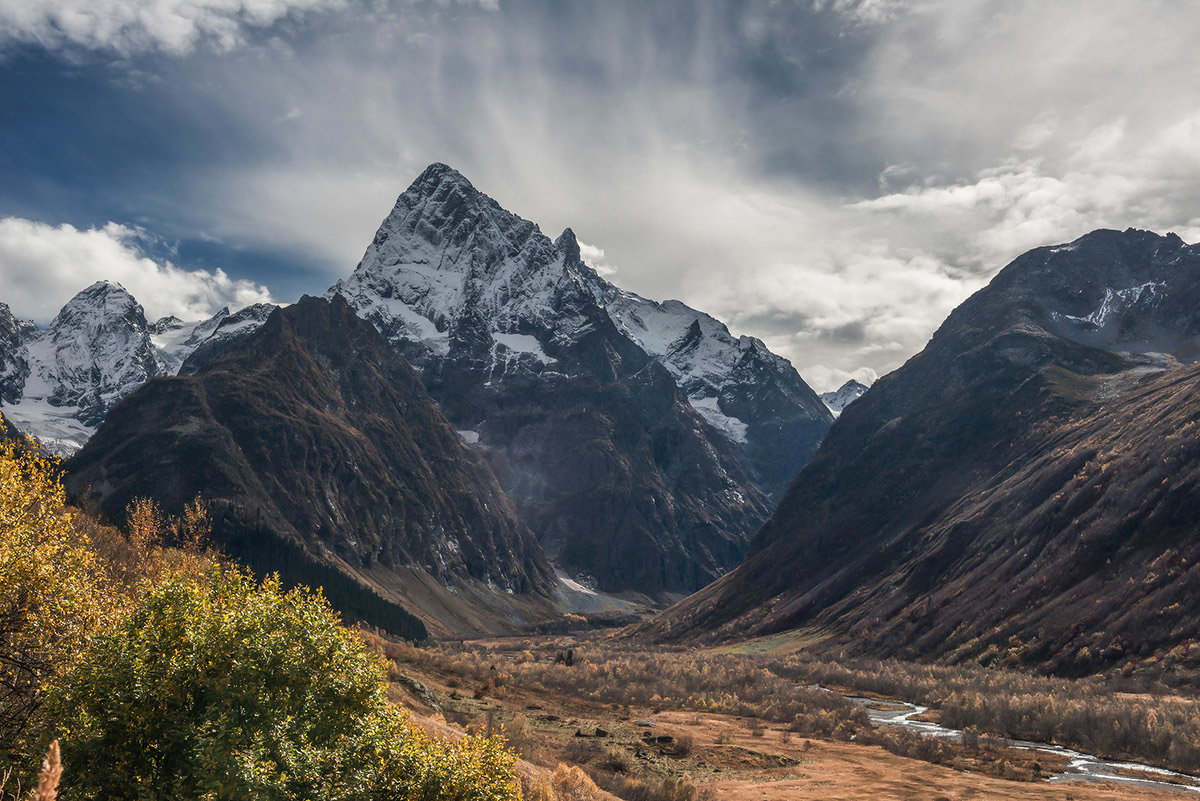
47, 779
51, 773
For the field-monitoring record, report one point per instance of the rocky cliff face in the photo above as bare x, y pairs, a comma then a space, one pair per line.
636, 438
1025, 490
58, 384
14, 367
313, 434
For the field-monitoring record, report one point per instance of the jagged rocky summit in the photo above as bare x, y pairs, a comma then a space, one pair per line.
324, 458
641, 441
58, 383
1026, 490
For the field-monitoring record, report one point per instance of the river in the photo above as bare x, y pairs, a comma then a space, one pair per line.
1081, 767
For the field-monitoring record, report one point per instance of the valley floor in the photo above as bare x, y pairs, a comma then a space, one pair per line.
656, 725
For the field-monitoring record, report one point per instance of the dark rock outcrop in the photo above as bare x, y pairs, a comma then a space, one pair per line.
14, 368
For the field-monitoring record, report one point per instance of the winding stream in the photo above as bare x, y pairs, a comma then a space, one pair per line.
1081, 768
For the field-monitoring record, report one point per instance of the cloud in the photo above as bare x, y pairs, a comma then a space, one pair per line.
43, 266
831, 176
128, 27
594, 257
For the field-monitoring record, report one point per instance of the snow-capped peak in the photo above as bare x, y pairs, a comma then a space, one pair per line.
447, 252
58, 384
843, 396
449, 266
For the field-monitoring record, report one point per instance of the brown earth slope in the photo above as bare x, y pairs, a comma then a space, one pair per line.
1025, 490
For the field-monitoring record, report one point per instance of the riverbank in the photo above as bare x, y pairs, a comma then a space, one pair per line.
1067, 764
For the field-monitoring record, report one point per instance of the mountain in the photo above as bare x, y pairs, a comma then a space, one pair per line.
1026, 490
58, 384
843, 396
639, 440
324, 457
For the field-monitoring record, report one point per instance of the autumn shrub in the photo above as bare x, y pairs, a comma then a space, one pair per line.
582, 751
535, 784
165, 675
684, 744
668, 788
521, 737
615, 760
229, 689
572, 784
701, 682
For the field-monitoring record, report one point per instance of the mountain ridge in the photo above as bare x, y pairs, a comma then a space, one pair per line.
957, 510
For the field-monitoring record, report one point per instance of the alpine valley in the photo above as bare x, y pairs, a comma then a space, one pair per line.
475, 428
641, 542
640, 441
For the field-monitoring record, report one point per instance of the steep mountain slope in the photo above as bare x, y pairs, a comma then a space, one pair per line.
1025, 490
843, 396
312, 434
635, 438
58, 384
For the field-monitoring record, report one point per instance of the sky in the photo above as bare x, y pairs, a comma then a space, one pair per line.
831, 176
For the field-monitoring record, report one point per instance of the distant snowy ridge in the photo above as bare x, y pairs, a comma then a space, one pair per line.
843, 396
696, 348
58, 383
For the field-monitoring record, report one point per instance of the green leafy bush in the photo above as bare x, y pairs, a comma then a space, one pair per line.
219, 688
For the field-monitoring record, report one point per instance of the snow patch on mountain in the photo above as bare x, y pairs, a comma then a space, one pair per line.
523, 343
731, 427
1118, 300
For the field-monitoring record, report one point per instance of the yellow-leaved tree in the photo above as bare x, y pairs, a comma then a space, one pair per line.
51, 596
